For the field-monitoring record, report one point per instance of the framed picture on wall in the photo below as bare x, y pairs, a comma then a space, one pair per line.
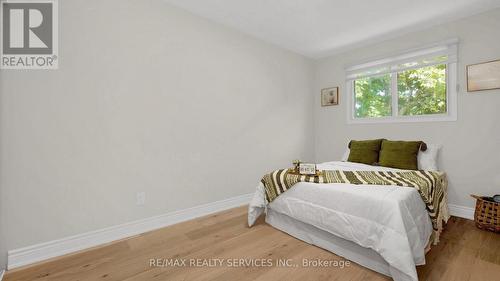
483, 76
330, 96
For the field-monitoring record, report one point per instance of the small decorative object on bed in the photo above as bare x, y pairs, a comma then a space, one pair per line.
307, 169
487, 213
296, 165
483, 76
330, 96
304, 168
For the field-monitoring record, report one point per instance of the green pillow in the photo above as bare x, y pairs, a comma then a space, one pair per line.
400, 154
365, 151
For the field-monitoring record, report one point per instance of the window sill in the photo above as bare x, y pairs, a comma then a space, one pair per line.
408, 119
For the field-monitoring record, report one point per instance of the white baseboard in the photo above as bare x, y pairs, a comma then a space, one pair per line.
55, 248
461, 211
1, 274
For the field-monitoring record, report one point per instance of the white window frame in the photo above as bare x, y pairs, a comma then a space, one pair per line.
449, 46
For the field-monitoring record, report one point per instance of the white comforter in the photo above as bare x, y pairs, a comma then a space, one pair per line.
391, 220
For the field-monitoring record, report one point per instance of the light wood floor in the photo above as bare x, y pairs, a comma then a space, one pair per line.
464, 253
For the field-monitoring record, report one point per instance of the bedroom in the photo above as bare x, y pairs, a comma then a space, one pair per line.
132, 148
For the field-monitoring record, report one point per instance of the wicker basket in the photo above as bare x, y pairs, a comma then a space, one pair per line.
487, 214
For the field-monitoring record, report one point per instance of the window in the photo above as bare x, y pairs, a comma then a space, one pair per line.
418, 85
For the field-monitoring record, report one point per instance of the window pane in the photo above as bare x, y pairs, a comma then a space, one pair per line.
422, 91
372, 96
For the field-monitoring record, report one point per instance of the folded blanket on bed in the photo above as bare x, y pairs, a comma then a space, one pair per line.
430, 185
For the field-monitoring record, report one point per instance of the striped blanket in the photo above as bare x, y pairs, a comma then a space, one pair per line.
430, 185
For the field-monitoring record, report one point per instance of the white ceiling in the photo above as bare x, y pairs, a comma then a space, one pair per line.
318, 28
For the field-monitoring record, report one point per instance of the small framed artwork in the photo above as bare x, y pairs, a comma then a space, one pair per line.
483, 76
330, 96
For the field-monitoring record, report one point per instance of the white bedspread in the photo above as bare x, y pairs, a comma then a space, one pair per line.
391, 220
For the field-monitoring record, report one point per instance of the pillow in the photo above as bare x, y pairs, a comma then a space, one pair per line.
346, 155
427, 160
365, 151
400, 154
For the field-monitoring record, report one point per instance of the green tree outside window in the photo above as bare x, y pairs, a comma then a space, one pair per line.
420, 91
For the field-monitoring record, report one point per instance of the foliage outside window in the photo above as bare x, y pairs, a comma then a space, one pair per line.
405, 88
373, 96
420, 91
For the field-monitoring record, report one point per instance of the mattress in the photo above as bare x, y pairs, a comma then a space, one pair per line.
388, 220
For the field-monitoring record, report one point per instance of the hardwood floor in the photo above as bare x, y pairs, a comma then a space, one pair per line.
464, 253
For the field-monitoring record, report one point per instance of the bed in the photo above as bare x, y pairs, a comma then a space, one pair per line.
384, 228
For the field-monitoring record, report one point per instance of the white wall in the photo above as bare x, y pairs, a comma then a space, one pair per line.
146, 98
470, 152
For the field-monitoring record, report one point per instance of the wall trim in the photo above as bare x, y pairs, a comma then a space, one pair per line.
1, 274
43, 251
461, 211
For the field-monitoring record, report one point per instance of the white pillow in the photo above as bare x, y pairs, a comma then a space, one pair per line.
427, 160
346, 155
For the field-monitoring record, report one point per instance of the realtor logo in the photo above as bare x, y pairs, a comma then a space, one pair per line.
29, 34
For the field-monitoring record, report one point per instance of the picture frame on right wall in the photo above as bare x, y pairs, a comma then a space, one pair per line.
483, 76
